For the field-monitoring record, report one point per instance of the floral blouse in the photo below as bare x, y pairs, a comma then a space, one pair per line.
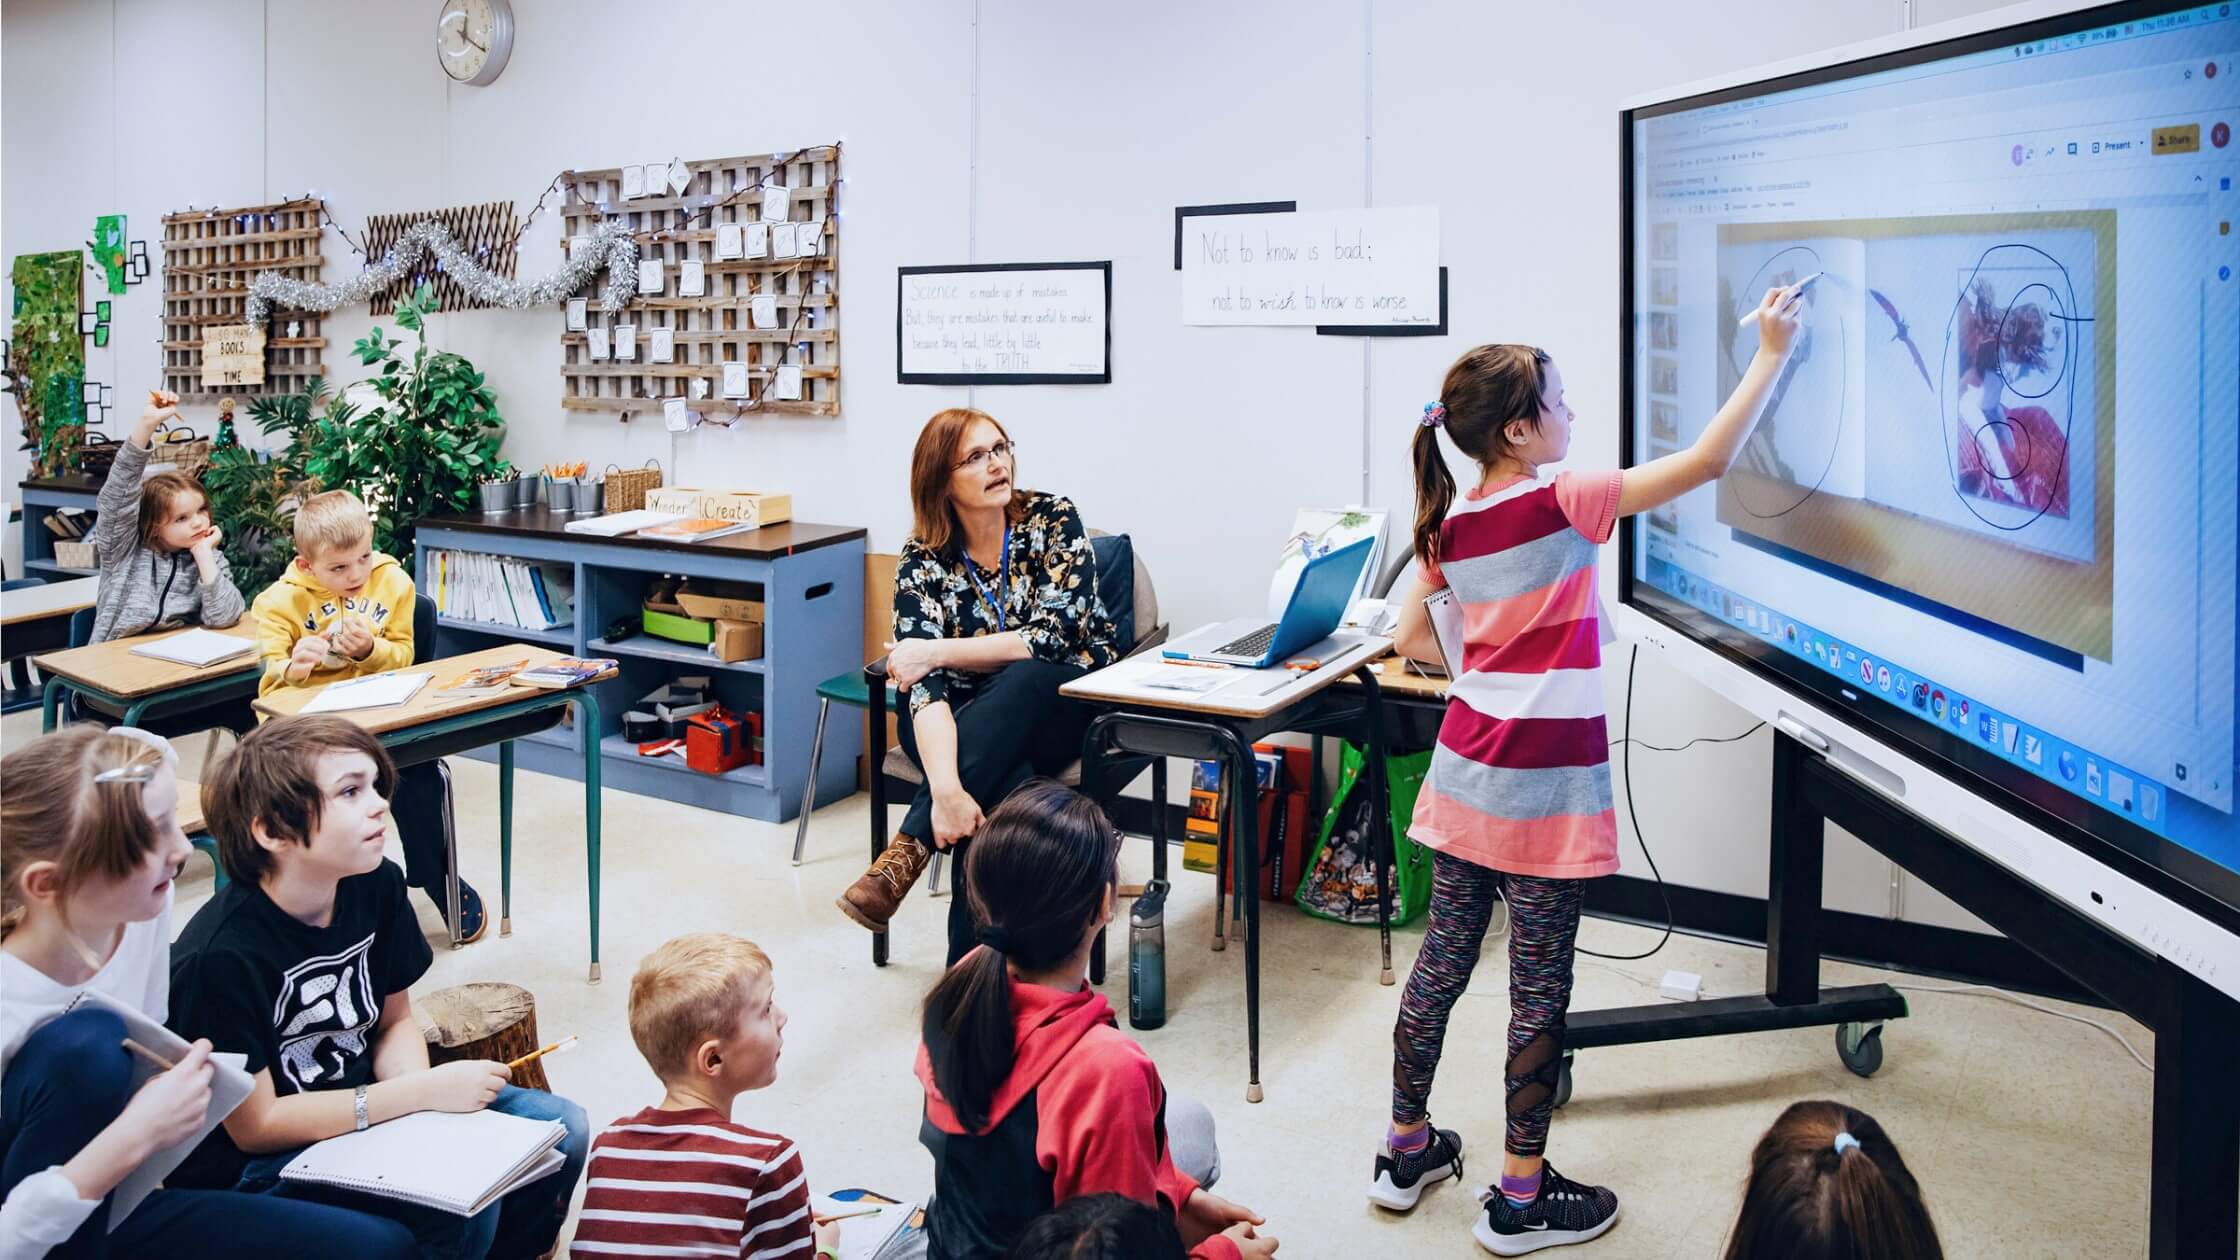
1049, 596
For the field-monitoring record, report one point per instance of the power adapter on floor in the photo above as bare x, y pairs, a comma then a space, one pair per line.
1681, 986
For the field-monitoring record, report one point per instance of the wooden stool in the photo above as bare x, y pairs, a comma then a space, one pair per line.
485, 1020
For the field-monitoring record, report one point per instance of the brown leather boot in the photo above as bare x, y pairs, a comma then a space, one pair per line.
873, 899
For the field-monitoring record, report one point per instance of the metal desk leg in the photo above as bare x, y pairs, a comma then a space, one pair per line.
505, 838
50, 702
1247, 866
451, 910
1382, 856
587, 734
809, 793
1159, 819
1221, 864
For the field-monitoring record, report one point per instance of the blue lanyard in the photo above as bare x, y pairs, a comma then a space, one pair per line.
1003, 575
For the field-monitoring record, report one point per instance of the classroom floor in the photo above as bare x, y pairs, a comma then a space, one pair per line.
2028, 1132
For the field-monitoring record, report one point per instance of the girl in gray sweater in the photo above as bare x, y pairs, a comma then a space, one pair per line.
158, 551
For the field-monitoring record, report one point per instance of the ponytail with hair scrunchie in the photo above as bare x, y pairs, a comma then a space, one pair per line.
994, 938
1845, 1142
1434, 414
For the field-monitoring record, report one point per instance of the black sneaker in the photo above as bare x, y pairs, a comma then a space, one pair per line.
1565, 1212
1399, 1179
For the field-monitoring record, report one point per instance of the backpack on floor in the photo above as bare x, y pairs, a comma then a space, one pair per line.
1340, 883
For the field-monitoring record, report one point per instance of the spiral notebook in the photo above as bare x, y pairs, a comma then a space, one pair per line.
458, 1163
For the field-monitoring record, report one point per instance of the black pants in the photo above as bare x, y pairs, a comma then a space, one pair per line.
423, 812
1014, 728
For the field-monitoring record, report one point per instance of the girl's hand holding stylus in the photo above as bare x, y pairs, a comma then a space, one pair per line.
1780, 315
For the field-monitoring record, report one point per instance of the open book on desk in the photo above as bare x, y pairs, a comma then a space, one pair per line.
196, 647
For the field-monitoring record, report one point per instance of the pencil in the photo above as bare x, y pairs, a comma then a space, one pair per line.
534, 1055
150, 1055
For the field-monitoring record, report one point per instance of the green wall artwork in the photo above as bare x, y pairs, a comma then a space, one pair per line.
109, 250
47, 358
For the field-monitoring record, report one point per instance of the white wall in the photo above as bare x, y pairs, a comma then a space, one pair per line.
996, 130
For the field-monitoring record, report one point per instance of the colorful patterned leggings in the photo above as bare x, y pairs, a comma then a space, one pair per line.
1543, 926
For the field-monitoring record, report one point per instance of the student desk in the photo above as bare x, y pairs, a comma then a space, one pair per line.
1222, 725
111, 673
432, 724
37, 619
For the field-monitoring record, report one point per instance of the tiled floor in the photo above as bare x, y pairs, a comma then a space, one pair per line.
2029, 1132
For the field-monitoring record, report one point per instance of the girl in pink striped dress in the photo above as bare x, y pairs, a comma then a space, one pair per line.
1517, 802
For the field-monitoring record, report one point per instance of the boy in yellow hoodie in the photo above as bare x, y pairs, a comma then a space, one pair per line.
343, 610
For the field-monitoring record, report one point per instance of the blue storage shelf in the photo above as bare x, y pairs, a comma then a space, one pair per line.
811, 579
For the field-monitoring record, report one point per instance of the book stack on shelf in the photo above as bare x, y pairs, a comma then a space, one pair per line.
516, 594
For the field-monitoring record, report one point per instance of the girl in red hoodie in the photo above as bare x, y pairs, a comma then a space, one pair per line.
1033, 1096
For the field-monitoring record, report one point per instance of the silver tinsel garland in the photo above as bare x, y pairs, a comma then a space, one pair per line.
609, 247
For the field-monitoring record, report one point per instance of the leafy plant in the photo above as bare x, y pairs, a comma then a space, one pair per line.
254, 494
425, 446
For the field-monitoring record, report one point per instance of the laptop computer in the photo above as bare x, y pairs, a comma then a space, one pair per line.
1318, 604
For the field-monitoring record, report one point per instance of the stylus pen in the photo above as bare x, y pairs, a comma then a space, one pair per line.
1794, 289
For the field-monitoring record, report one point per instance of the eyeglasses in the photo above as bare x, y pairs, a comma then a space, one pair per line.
977, 460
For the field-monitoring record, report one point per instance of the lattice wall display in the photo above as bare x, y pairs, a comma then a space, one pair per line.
209, 257
730, 354
487, 231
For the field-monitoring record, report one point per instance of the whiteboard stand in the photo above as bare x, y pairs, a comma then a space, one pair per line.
2196, 1144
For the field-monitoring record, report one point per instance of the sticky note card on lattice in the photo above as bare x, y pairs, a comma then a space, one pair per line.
739, 277
209, 258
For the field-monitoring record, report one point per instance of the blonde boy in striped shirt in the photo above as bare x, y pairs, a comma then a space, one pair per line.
680, 1178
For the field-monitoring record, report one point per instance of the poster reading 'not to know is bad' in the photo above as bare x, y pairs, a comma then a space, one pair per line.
1352, 268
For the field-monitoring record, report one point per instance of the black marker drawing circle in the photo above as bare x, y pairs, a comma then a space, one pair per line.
1843, 369
2062, 378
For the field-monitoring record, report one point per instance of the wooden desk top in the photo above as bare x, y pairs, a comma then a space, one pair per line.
430, 705
1250, 693
112, 667
767, 543
1395, 677
55, 599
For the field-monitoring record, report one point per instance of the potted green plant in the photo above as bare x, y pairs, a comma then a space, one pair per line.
254, 494
424, 447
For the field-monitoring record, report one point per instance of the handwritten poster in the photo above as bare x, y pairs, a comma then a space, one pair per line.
232, 354
1377, 267
1005, 324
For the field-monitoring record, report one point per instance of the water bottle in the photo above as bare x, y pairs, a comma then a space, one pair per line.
1147, 957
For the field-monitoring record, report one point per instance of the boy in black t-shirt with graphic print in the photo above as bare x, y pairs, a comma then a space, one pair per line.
302, 964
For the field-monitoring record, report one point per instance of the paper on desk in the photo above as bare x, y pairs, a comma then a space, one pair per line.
374, 691
1191, 679
195, 647
229, 1086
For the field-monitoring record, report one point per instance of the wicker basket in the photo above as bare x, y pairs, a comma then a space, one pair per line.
96, 454
626, 488
183, 449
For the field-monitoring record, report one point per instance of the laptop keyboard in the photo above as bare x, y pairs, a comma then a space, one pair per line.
1254, 644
